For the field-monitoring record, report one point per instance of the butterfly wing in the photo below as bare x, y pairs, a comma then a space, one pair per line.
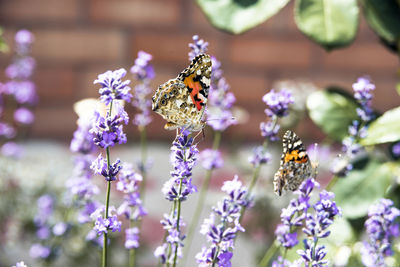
295, 165
181, 101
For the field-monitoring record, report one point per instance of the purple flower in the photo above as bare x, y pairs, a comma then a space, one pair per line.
259, 156
211, 159
269, 130
45, 205
278, 102
82, 142
198, 47
6, 130
24, 37
219, 105
177, 188
24, 116
23, 91
103, 225
358, 129
60, 228
221, 233
113, 87
396, 149
142, 69
88, 209
285, 237
381, 229
143, 72
39, 251
315, 225
100, 166
313, 254
109, 131
132, 206
132, 238
281, 262
20, 264
22, 68
11, 149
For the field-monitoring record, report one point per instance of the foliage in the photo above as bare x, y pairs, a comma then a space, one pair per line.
332, 24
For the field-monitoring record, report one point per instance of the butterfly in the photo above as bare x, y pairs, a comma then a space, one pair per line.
295, 165
182, 101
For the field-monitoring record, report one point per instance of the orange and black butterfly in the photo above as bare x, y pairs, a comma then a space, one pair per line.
181, 101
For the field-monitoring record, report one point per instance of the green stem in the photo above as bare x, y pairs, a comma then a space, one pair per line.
105, 243
200, 202
269, 254
331, 183
253, 181
178, 219
132, 256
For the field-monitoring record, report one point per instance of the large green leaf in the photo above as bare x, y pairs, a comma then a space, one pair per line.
384, 18
330, 23
333, 111
361, 188
384, 129
237, 16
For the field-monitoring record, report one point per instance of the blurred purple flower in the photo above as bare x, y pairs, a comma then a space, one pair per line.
6, 130
260, 156
278, 102
142, 69
211, 159
132, 238
88, 209
199, 46
113, 87
11, 149
381, 229
24, 37
60, 228
20, 264
24, 116
82, 141
39, 251
143, 72
396, 149
21, 68
219, 105
23, 91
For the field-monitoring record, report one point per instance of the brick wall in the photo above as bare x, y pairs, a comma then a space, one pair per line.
78, 39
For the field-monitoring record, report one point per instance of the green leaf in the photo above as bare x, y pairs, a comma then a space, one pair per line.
361, 188
384, 129
3, 44
238, 16
333, 111
384, 18
330, 23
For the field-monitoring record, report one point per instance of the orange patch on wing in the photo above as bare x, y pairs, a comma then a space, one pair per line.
196, 87
294, 155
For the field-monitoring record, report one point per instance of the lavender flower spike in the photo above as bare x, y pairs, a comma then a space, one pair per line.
381, 229
113, 87
177, 189
221, 232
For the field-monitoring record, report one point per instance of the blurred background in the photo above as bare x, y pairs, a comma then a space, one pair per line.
76, 40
